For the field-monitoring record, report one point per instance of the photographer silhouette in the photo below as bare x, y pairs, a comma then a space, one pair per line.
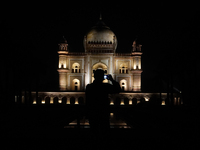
97, 101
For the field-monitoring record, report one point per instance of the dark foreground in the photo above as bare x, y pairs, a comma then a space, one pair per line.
42, 127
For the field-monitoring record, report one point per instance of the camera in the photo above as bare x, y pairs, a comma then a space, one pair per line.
105, 77
108, 77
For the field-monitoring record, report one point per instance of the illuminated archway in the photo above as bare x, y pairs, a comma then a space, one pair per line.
123, 84
76, 85
76, 68
123, 69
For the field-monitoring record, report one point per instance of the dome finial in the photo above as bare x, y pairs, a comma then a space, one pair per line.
63, 40
100, 18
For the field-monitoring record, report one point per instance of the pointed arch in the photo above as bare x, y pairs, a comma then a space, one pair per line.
99, 65
123, 68
123, 84
76, 68
76, 85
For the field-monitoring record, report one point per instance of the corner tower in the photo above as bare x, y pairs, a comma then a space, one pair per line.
137, 69
62, 65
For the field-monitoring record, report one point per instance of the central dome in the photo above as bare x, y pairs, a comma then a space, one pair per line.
100, 37
103, 36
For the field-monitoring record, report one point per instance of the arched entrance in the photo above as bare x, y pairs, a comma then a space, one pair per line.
123, 84
102, 66
76, 85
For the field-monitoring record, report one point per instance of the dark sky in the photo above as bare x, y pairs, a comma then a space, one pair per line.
168, 32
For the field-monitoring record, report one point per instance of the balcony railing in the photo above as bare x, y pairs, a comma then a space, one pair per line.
78, 98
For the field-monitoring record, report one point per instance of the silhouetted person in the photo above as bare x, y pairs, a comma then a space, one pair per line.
97, 101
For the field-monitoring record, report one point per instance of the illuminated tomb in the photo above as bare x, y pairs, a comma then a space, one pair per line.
100, 43
76, 70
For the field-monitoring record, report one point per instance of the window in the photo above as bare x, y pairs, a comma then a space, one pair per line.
123, 84
76, 68
76, 85
123, 69
63, 47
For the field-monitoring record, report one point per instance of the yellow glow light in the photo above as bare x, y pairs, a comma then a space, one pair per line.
146, 99
34, 102
163, 103
130, 102
111, 102
43, 101
122, 103
60, 101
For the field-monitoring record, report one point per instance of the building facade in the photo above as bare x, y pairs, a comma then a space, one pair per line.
76, 70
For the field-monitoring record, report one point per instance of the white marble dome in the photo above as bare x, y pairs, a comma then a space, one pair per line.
101, 34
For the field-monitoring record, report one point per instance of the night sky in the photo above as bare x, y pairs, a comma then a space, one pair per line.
168, 32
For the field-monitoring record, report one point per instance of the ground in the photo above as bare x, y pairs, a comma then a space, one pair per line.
152, 127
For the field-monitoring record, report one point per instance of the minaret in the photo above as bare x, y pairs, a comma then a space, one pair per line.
136, 70
63, 64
